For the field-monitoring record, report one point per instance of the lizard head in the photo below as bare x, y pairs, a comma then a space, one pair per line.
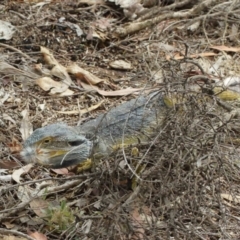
56, 146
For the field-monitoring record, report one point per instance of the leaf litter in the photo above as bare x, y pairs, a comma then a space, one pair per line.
105, 205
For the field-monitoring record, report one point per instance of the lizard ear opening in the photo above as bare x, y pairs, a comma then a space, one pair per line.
76, 143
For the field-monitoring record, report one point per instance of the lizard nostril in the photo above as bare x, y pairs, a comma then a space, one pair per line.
38, 151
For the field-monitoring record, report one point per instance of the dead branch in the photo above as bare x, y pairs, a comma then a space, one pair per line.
137, 26
14, 232
154, 11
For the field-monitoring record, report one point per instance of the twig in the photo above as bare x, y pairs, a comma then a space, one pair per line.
18, 51
14, 232
13, 211
153, 11
207, 15
8, 188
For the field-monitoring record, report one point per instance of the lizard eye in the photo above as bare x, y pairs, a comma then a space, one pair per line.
76, 143
46, 141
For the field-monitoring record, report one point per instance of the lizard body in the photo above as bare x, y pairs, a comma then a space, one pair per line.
59, 145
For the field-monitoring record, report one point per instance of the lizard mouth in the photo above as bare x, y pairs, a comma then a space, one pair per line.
49, 153
60, 158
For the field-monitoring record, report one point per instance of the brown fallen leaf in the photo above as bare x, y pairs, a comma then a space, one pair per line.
37, 235
7, 164
14, 146
82, 111
122, 92
48, 57
88, 87
61, 171
57, 70
225, 48
17, 173
83, 75
54, 87
39, 206
8, 225
138, 224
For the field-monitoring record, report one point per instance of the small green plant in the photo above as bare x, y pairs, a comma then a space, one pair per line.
59, 217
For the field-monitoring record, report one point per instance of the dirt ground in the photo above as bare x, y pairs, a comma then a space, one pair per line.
187, 186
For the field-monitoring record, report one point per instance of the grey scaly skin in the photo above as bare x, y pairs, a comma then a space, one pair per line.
59, 145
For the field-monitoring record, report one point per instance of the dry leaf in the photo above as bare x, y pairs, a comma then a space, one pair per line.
220, 64
7, 117
131, 8
104, 23
138, 225
8, 225
37, 235
7, 30
3, 96
193, 27
57, 70
83, 75
88, 87
120, 64
233, 36
163, 46
24, 193
6, 69
122, 92
86, 226
38, 205
97, 204
61, 171
17, 173
48, 84
60, 72
178, 56
48, 57
15, 146
6, 178
93, 33
26, 128
74, 27
230, 197
92, 2
82, 111
98, 29
232, 83
225, 48
8, 164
